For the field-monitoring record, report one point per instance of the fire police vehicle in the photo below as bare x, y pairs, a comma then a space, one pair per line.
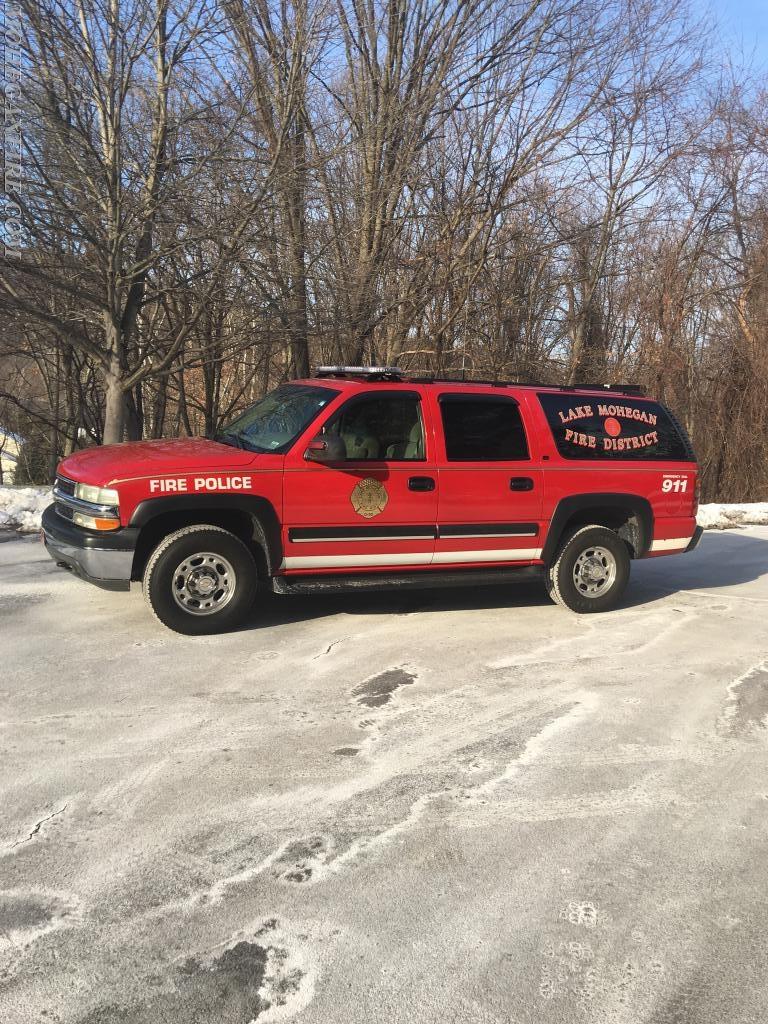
368, 477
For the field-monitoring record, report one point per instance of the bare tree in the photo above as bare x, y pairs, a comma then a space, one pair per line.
114, 104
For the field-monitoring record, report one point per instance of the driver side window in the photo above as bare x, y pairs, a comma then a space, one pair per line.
379, 427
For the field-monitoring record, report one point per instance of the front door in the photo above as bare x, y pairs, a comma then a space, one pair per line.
490, 502
375, 506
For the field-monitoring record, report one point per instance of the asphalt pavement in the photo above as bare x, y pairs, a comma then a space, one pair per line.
465, 806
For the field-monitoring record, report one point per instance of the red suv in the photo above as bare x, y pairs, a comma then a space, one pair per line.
368, 477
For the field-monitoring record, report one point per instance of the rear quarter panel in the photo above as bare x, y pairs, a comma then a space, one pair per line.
670, 487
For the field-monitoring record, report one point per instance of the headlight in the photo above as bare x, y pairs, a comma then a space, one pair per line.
95, 522
97, 495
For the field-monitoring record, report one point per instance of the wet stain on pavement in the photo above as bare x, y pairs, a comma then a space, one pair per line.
14, 603
26, 915
698, 993
20, 912
682, 1007
747, 709
377, 691
235, 987
301, 860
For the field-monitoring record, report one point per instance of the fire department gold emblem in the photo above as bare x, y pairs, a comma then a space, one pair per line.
369, 498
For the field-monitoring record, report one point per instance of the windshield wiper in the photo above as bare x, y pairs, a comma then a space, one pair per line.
227, 437
236, 441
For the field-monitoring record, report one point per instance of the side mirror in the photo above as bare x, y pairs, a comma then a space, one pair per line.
325, 449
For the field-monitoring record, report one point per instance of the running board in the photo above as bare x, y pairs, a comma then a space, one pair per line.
317, 584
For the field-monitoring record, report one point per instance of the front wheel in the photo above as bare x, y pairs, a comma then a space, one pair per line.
590, 571
200, 580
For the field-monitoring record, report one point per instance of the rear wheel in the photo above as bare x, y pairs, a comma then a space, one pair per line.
200, 580
590, 571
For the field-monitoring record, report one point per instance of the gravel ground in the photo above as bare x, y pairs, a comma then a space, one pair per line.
464, 807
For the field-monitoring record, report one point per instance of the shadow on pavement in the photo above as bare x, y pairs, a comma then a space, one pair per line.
721, 560
274, 610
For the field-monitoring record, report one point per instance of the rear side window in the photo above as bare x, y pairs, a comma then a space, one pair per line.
482, 429
597, 427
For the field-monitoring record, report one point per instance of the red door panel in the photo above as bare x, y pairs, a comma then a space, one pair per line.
360, 514
488, 511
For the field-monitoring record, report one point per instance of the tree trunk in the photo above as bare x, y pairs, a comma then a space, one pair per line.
298, 326
114, 409
295, 217
159, 407
134, 414
183, 411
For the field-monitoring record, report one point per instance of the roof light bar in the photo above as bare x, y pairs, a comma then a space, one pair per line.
359, 371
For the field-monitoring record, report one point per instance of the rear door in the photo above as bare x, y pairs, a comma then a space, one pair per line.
490, 484
375, 507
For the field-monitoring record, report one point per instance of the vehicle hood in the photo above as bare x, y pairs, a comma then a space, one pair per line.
114, 462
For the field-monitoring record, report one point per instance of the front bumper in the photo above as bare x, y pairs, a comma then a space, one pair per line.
106, 560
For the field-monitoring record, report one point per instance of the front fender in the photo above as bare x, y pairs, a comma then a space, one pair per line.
261, 511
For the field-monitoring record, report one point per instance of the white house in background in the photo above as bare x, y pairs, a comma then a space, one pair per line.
9, 455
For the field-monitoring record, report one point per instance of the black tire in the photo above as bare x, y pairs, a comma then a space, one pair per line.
596, 551
200, 580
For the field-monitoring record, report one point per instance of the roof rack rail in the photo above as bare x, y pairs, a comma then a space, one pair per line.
394, 373
626, 389
488, 382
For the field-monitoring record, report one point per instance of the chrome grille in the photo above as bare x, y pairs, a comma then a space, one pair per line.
65, 511
65, 486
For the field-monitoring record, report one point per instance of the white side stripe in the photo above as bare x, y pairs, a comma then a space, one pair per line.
670, 545
492, 555
343, 561
412, 558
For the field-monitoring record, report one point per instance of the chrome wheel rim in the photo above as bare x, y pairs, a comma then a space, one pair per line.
594, 572
203, 583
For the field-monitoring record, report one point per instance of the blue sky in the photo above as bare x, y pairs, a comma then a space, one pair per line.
744, 26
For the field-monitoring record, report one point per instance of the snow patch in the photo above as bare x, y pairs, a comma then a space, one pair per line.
724, 517
22, 507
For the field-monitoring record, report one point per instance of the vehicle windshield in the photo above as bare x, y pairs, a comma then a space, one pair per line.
274, 422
